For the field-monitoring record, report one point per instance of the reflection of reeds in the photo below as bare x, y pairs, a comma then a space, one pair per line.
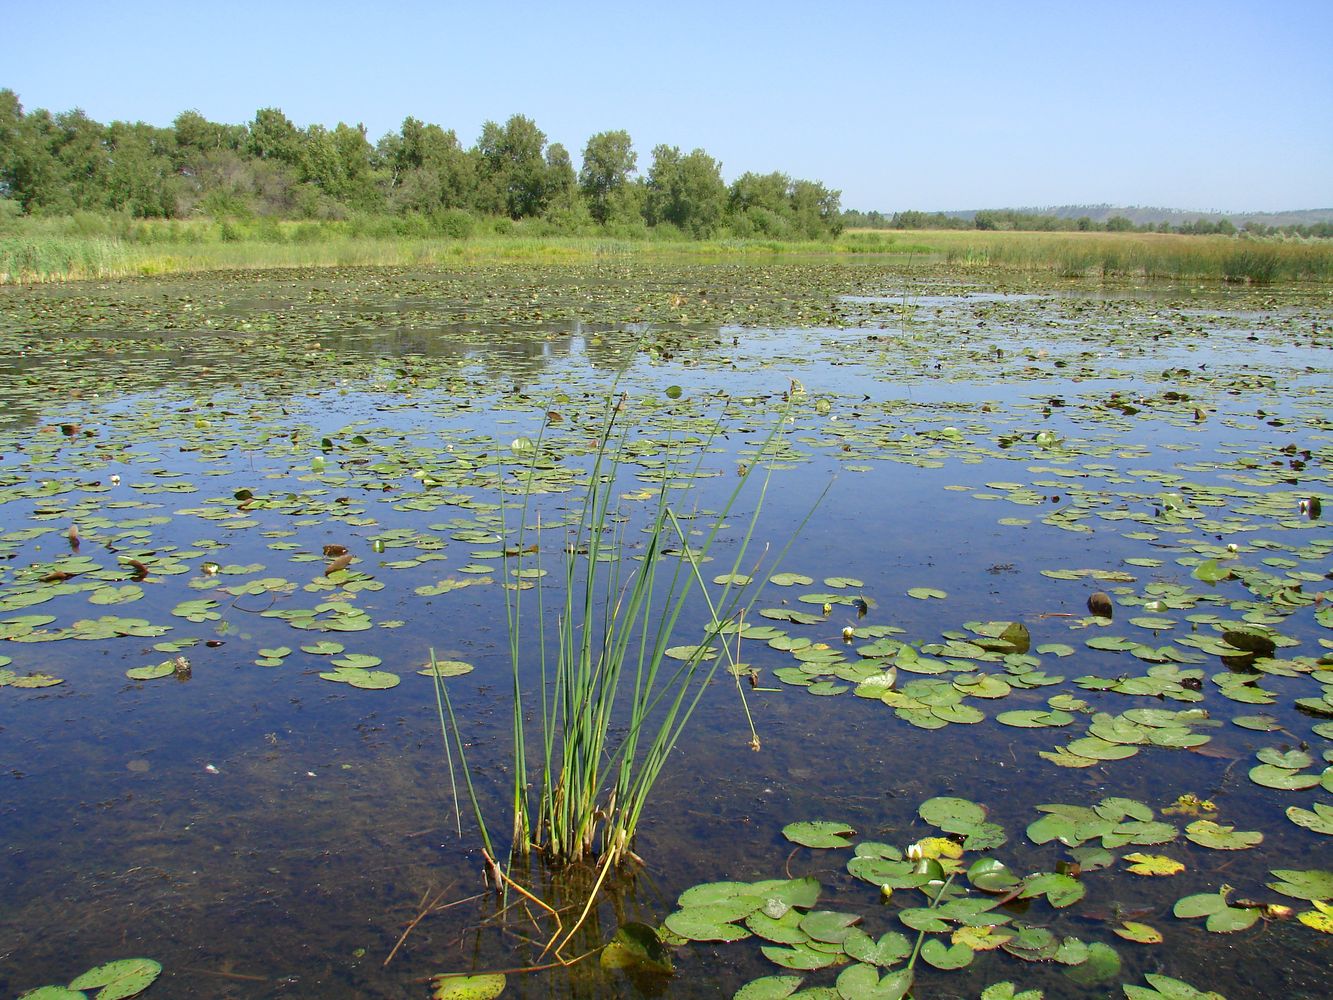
612, 704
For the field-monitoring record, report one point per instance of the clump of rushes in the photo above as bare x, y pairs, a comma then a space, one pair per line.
613, 703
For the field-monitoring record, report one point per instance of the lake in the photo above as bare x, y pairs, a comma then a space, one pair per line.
239, 511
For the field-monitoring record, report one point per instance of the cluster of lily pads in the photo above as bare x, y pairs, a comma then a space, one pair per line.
947, 900
118, 980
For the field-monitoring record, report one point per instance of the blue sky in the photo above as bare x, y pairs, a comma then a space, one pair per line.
942, 105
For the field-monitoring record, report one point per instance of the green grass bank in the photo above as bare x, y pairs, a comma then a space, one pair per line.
87, 246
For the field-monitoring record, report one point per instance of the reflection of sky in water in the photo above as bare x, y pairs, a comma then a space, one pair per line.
326, 820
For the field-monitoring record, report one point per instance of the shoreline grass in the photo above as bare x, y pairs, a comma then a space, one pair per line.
101, 248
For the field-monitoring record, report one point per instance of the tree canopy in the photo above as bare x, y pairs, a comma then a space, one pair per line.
272, 167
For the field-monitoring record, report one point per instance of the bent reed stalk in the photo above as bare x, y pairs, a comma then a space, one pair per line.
607, 646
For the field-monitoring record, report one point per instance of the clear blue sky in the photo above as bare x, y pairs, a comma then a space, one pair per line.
931, 105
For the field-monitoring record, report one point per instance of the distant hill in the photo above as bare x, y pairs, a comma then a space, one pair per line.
1142, 215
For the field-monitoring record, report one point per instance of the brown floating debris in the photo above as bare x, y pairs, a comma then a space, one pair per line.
342, 562
1100, 604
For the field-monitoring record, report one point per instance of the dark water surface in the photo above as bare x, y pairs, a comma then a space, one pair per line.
265, 833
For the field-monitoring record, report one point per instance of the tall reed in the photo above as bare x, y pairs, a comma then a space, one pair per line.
611, 702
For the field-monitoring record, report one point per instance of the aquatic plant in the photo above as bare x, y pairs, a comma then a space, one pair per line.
614, 693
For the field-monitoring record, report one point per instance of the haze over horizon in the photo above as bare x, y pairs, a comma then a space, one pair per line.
1217, 106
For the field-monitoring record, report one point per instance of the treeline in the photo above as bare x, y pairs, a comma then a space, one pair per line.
1009, 219
422, 174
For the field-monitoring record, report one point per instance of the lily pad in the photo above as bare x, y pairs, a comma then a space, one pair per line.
484, 986
926, 593
769, 988
819, 834
124, 978
1206, 833
637, 947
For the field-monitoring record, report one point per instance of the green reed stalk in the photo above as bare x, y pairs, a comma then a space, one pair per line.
613, 624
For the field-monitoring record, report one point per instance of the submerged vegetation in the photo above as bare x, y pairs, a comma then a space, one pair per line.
1043, 686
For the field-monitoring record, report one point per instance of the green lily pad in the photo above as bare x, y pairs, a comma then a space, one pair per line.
700, 925
819, 833
943, 956
484, 986
769, 988
1303, 884
37, 680
802, 958
637, 947
889, 950
1165, 988
1271, 776
163, 669
447, 668
1206, 833
926, 593
126, 977
828, 925
1319, 818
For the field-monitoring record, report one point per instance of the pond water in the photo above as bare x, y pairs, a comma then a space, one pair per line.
183, 464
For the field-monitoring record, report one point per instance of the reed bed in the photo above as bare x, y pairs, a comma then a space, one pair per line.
90, 246
1125, 255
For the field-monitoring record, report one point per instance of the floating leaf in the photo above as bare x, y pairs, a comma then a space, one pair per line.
124, 978
1303, 884
1271, 776
1165, 988
1206, 833
942, 956
798, 957
819, 833
1153, 864
485, 986
701, 924
769, 988
163, 669
637, 947
829, 926
925, 593
1140, 933
447, 668
1319, 818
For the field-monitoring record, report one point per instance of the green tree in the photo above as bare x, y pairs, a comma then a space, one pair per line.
27, 167
759, 205
195, 135
513, 171
428, 168
561, 183
274, 137
815, 209
685, 191
141, 179
608, 160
